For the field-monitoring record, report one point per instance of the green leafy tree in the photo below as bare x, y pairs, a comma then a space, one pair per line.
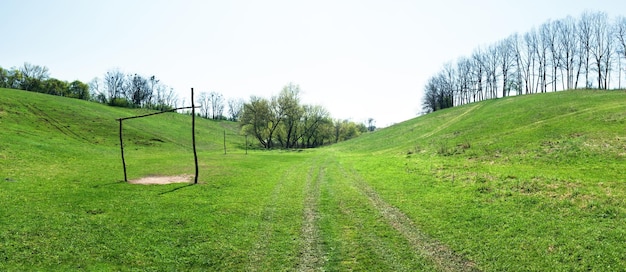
34, 77
78, 89
15, 79
291, 111
315, 121
4, 78
54, 86
256, 118
138, 91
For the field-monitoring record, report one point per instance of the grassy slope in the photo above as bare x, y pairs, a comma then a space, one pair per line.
64, 206
532, 182
48, 133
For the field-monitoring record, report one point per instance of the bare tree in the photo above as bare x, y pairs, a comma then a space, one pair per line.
95, 90
204, 102
429, 102
620, 34
585, 38
492, 63
529, 60
506, 56
448, 84
568, 40
216, 102
170, 99
478, 65
235, 107
601, 40
551, 36
542, 56
33, 76
153, 83
464, 76
114, 81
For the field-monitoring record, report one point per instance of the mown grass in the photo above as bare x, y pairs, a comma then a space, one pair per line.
522, 183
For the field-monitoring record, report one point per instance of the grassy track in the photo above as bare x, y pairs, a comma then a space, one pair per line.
516, 184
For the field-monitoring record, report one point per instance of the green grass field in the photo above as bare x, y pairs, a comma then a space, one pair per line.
523, 183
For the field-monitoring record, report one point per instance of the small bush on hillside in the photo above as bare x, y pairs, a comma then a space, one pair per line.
120, 102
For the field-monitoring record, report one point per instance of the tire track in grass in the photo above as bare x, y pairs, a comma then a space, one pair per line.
258, 254
311, 253
372, 230
451, 121
442, 256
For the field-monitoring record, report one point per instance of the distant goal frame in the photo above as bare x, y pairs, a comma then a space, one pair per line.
193, 134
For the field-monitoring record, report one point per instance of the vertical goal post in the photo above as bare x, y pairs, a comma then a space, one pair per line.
193, 133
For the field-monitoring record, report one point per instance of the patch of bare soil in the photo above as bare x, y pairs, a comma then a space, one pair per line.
162, 180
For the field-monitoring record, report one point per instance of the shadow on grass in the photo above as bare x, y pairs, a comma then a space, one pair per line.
109, 184
177, 188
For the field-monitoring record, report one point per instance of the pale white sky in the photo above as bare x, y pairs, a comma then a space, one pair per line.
357, 58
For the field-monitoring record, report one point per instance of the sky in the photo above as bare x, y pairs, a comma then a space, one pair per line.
359, 59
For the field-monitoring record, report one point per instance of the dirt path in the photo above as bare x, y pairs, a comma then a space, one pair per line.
311, 255
442, 256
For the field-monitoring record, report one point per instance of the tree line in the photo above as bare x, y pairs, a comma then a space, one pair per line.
570, 53
37, 78
278, 122
132, 90
283, 122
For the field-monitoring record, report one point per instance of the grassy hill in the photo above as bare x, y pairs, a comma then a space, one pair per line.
537, 180
49, 133
522, 183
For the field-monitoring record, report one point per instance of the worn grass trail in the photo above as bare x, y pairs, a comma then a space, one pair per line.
311, 254
443, 257
322, 215
361, 231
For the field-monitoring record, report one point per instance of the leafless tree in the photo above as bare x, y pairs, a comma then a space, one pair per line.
492, 64
478, 74
585, 39
204, 102
543, 50
568, 40
216, 103
529, 60
620, 34
506, 56
235, 108
601, 41
153, 83
464, 70
170, 99
551, 37
33, 75
114, 81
